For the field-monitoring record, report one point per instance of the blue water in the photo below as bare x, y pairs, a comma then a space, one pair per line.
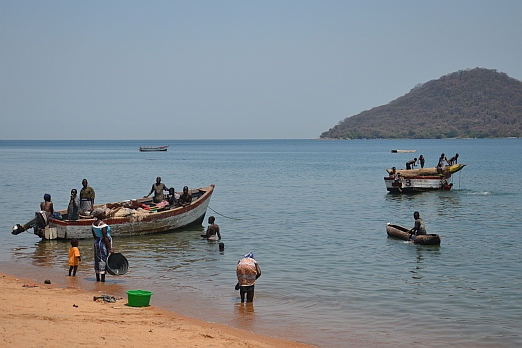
314, 214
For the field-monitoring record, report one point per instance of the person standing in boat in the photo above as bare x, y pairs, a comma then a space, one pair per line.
186, 197
86, 198
212, 230
158, 189
421, 161
74, 205
102, 243
411, 163
419, 228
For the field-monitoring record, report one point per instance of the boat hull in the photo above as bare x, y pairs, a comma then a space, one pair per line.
151, 223
154, 148
416, 184
400, 232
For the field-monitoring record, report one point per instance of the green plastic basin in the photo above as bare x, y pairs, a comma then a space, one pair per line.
138, 298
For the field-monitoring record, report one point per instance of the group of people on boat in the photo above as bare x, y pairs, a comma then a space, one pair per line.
172, 199
441, 165
77, 206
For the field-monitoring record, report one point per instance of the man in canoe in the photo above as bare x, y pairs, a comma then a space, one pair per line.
419, 227
158, 189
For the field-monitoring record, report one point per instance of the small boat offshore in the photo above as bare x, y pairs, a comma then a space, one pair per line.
403, 233
154, 148
126, 218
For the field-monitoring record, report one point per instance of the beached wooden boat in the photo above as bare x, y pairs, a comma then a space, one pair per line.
400, 232
154, 148
125, 219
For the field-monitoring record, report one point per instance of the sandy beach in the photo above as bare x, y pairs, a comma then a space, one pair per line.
35, 314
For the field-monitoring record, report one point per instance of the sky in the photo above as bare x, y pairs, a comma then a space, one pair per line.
196, 69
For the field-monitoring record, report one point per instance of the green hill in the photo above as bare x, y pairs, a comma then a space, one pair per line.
473, 103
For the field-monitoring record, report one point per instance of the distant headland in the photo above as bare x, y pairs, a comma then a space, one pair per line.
472, 103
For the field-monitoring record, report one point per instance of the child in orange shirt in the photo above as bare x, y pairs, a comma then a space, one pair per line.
74, 257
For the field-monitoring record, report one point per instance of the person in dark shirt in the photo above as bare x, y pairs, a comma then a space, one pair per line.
419, 228
186, 197
158, 189
421, 161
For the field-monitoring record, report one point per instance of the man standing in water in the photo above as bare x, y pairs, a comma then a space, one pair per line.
419, 228
212, 230
86, 198
247, 272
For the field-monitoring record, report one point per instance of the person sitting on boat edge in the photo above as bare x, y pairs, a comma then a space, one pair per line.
411, 163
419, 228
47, 205
212, 230
186, 197
443, 161
158, 189
173, 198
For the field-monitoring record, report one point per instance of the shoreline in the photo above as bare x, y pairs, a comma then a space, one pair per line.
51, 316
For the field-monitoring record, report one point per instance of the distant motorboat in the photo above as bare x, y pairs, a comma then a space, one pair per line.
402, 151
154, 148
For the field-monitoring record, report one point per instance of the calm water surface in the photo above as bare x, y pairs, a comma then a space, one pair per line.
314, 214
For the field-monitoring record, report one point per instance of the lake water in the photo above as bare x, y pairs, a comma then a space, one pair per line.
314, 214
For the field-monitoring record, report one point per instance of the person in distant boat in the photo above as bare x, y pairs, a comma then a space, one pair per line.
86, 198
247, 272
411, 163
441, 166
212, 230
186, 197
158, 189
421, 161
74, 206
419, 228
173, 198
102, 243
453, 160
393, 173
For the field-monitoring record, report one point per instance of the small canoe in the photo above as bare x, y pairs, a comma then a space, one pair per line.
403, 151
400, 232
154, 148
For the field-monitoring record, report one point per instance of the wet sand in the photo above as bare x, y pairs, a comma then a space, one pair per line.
35, 314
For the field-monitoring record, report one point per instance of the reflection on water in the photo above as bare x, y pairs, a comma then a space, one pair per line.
244, 316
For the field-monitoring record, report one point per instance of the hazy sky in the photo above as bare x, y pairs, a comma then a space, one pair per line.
232, 69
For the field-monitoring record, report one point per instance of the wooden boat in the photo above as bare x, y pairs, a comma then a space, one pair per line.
124, 220
424, 179
400, 232
431, 171
403, 151
154, 148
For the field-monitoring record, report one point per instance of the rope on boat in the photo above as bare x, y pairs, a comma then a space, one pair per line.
231, 218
